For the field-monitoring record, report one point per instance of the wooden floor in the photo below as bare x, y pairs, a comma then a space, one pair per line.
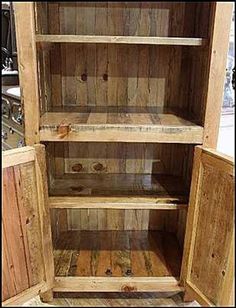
117, 254
113, 300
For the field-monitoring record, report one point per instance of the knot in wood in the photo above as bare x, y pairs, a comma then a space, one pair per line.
128, 288
84, 77
128, 272
108, 272
105, 77
77, 167
98, 167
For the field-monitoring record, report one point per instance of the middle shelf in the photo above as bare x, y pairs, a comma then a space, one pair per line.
118, 191
121, 124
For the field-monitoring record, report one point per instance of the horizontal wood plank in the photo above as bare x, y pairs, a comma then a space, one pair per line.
17, 156
158, 203
120, 185
110, 39
26, 295
119, 125
118, 284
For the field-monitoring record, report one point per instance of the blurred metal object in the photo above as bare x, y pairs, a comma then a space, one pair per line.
233, 78
12, 119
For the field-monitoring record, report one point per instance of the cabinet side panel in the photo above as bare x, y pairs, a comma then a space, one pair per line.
219, 43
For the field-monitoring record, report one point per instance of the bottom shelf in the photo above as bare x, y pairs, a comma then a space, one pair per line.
127, 254
127, 191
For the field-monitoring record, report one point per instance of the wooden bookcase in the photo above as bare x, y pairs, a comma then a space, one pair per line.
120, 94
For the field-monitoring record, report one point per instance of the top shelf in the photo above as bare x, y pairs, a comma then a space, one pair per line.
108, 39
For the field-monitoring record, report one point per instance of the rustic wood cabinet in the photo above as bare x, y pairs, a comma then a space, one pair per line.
119, 188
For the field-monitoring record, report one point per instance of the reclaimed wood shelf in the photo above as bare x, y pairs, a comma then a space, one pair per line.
119, 124
110, 39
118, 191
117, 254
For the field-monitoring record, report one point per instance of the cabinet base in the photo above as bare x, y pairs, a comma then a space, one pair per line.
47, 296
116, 284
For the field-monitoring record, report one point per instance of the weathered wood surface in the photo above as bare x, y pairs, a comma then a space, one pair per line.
119, 39
109, 74
22, 253
151, 202
117, 254
118, 124
208, 253
214, 85
109, 184
118, 168
119, 284
119, 158
27, 63
27, 254
141, 299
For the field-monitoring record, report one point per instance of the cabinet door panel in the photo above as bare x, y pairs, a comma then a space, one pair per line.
26, 234
207, 268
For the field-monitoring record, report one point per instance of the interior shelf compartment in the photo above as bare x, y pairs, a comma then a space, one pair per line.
117, 254
109, 39
118, 191
122, 124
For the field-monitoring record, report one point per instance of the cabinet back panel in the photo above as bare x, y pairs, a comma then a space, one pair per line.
115, 75
108, 219
138, 158
120, 18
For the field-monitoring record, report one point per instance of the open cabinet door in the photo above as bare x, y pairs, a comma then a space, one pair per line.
208, 261
27, 256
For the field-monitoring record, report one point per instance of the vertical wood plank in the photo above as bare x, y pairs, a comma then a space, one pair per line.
218, 57
27, 62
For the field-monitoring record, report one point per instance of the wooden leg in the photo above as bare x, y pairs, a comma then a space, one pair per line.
187, 297
46, 296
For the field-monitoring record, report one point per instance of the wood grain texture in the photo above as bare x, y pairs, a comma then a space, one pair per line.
25, 296
93, 164
44, 214
27, 60
118, 203
137, 18
119, 284
28, 267
15, 273
140, 299
119, 158
22, 259
210, 213
93, 253
119, 39
116, 185
222, 15
88, 74
118, 124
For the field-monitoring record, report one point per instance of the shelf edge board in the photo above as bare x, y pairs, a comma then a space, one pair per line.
105, 39
144, 203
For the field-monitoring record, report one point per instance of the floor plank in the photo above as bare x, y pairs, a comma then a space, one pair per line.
117, 254
113, 300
